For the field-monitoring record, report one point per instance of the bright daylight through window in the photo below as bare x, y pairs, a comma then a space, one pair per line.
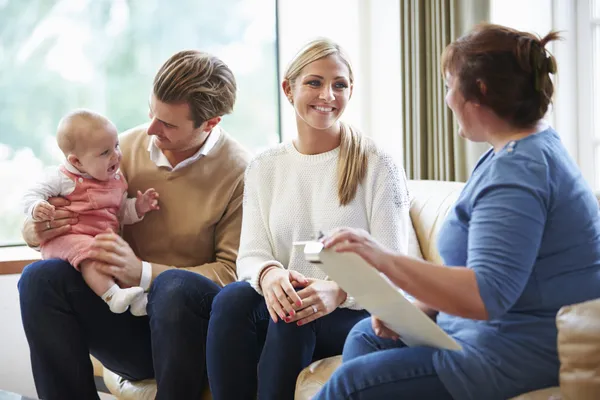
595, 15
102, 54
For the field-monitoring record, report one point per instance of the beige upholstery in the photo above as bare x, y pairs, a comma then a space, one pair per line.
313, 377
126, 390
542, 394
431, 202
123, 389
579, 350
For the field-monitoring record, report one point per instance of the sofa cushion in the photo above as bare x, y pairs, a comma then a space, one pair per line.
313, 377
123, 389
579, 350
431, 203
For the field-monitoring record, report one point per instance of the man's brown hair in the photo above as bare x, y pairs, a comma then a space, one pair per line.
199, 79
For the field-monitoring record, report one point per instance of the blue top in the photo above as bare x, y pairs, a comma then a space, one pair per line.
528, 224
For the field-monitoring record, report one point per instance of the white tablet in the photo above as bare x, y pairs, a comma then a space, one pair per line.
375, 293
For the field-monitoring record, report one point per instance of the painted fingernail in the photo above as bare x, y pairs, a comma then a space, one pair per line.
299, 323
292, 313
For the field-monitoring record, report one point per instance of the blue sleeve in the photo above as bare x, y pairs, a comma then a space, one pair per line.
507, 223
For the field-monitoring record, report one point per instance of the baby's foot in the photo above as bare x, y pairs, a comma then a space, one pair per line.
119, 299
138, 307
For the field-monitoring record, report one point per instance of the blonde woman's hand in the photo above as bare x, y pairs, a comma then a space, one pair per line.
319, 298
280, 295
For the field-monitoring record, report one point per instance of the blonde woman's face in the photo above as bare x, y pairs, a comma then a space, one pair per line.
321, 92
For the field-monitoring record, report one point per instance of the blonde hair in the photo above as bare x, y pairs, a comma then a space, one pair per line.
354, 147
199, 79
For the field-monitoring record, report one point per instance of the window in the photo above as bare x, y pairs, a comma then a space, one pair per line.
595, 54
588, 69
102, 55
576, 115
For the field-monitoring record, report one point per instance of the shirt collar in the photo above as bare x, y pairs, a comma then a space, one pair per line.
71, 168
158, 158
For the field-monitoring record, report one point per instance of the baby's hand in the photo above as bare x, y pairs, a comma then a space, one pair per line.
146, 202
43, 211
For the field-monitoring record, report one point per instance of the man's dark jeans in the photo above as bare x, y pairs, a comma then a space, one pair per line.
65, 321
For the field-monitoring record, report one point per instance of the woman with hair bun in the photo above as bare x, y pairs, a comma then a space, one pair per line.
522, 241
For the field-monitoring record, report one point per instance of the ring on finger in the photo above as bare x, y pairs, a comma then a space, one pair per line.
48, 226
314, 308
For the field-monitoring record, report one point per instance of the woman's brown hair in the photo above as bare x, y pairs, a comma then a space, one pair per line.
504, 69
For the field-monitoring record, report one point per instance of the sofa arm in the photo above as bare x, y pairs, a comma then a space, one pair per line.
579, 350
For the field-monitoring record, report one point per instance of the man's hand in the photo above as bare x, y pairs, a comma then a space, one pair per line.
43, 211
148, 201
35, 233
121, 262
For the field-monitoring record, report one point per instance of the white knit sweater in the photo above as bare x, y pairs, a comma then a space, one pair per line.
291, 196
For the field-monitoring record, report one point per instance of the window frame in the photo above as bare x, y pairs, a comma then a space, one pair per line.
587, 142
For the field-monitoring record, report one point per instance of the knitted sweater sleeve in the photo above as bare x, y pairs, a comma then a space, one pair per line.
390, 222
256, 252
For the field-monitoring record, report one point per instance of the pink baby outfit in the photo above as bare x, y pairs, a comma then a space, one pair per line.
98, 206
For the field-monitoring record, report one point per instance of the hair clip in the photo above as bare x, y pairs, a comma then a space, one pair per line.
551, 64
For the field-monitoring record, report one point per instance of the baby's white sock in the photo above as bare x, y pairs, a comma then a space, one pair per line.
138, 307
119, 299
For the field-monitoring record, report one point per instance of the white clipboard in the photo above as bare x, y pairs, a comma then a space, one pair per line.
375, 293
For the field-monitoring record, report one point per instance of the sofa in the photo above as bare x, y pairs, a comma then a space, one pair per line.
578, 325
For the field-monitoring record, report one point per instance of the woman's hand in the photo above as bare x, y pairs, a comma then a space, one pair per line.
381, 330
359, 241
319, 298
35, 233
119, 259
278, 289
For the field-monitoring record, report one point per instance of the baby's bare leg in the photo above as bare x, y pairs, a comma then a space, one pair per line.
95, 279
104, 286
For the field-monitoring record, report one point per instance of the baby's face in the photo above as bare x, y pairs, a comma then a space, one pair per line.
102, 155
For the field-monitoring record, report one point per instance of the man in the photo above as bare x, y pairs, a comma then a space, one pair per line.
189, 248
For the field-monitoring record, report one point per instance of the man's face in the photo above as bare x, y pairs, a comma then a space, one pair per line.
173, 127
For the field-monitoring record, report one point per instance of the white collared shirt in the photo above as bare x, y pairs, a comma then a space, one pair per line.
158, 158
56, 183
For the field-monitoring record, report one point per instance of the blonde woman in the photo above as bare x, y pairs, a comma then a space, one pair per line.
284, 313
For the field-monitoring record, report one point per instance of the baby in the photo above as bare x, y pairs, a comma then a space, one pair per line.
90, 179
